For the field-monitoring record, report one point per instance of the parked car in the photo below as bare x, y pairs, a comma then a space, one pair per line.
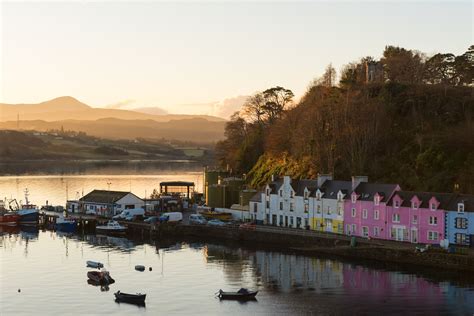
91, 212
197, 219
216, 222
130, 214
247, 226
171, 217
152, 219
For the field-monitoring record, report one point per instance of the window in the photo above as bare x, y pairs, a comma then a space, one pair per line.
291, 194
376, 214
433, 206
396, 218
460, 207
281, 220
329, 212
255, 207
415, 219
306, 194
281, 206
291, 220
318, 209
376, 231
353, 198
414, 205
365, 231
268, 191
396, 203
460, 239
339, 196
306, 208
354, 228
353, 212
339, 210
268, 204
291, 207
318, 196
281, 193
461, 222
433, 235
433, 220
364, 213
377, 200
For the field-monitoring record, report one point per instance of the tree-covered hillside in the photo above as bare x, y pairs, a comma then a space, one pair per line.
404, 119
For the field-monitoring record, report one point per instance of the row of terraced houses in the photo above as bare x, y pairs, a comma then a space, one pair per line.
361, 208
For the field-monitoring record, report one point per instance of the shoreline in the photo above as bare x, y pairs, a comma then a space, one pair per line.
312, 245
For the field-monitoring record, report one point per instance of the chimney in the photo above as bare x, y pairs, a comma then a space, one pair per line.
356, 180
322, 178
273, 177
287, 180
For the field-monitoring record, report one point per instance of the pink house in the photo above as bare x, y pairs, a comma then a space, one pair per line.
365, 212
417, 217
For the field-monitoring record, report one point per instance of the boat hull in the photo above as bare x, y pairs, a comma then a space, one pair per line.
9, 219
237, 296
66, 227
137, 299
28, 217
110, 231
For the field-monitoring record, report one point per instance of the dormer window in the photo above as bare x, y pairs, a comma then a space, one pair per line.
433, 206
318, 196
414, 205
339, 196
460, 207
353, 198
268, 191
377, 200
291, 194
396, 203
306, 194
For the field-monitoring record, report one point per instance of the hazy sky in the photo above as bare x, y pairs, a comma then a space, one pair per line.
190, 56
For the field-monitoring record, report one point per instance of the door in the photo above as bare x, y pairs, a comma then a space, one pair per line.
414, 236
274, 220
399, 234
329, 225
286, 221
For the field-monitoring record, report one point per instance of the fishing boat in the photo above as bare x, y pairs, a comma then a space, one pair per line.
242, 294
66, 224
212, 214
9, 218
29, 213
112, 227
94, 264
138, 299
100, 277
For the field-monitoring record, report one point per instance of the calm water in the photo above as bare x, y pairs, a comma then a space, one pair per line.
57, 189
50, 270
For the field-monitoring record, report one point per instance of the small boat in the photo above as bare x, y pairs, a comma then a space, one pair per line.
112, 227
138, 299
242, 294
9, 218
102, 277
66, 224
94, 264
139, 267
29, 213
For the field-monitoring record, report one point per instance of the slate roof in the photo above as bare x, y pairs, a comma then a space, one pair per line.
275, 185
332, 187
300, 185
103, 196
467, 199
443, 198
257, 197
366, 191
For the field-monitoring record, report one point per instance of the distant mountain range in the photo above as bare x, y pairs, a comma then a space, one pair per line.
70, 114
64, 108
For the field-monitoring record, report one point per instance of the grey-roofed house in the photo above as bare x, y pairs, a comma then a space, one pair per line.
109, 203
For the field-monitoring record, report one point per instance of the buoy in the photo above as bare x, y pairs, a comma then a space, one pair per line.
19, 290
150, 269
140, 268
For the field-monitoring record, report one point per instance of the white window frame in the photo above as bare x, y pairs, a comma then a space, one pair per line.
292, 206
414, 205
281, 206
433, 221
353, 198
396, 218
396, 204
376, 231
460, 207
280, 193
353, 212
433, 206
318, 209
365, 213
432, 234
414, 219
365, 229
376, 215
377, 200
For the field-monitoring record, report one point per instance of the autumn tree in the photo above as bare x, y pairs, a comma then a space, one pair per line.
402, 65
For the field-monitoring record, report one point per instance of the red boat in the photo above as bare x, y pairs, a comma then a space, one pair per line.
9, 218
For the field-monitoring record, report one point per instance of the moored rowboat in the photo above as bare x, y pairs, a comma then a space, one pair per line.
242, 294
138, 298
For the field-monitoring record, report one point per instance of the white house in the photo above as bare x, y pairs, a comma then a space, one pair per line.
109, 203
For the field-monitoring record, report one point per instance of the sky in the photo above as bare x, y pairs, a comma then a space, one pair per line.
201, 57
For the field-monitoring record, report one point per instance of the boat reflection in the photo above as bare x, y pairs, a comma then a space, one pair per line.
110, 242
103, 287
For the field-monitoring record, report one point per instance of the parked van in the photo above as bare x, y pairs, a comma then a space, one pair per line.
130, 214
171, 217
197, 219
